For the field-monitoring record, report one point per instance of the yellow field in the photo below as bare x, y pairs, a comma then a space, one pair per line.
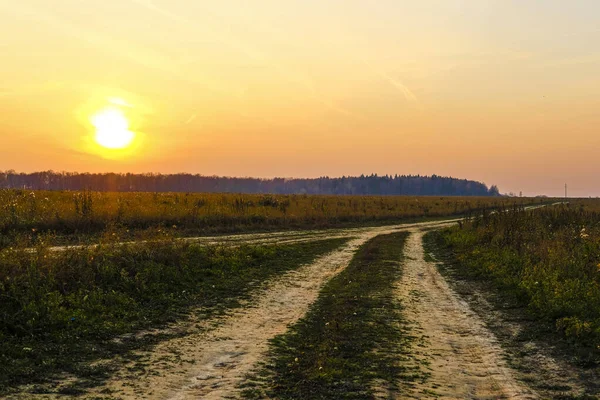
69, 212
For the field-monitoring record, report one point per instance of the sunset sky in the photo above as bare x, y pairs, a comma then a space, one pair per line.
506, 92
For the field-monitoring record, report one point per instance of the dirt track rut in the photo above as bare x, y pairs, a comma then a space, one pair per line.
463, 356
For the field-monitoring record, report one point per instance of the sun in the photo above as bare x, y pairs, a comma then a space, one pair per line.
112, 129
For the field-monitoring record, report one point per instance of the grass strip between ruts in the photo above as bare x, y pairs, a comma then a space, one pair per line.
351, 341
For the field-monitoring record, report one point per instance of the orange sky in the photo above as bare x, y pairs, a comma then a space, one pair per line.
502, 91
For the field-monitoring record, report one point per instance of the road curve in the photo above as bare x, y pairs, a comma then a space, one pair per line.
212, 362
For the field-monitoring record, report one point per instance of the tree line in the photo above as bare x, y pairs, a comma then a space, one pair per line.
373, 184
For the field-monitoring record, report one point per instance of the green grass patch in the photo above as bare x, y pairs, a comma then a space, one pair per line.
59, 311
466, 268
350, 340
547, 259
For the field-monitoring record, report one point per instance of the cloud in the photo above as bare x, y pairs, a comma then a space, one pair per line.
398, 84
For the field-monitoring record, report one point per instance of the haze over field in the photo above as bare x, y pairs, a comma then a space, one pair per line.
499, 91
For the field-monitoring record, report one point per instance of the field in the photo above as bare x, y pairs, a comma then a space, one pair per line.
76, 217
386, 302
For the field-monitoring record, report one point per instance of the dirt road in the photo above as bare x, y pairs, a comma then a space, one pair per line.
212, 363
212, 360
283, 237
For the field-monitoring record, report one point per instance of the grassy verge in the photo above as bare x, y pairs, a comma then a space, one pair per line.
549, 259
60, 311
553, 365
350, 341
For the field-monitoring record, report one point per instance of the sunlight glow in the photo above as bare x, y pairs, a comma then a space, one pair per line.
112, 129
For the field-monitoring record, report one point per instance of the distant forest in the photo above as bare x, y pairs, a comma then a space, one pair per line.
352, 185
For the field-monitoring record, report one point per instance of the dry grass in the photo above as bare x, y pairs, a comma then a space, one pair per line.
75, 216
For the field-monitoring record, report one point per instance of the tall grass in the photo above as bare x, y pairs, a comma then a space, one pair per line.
548, 258
79, 214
